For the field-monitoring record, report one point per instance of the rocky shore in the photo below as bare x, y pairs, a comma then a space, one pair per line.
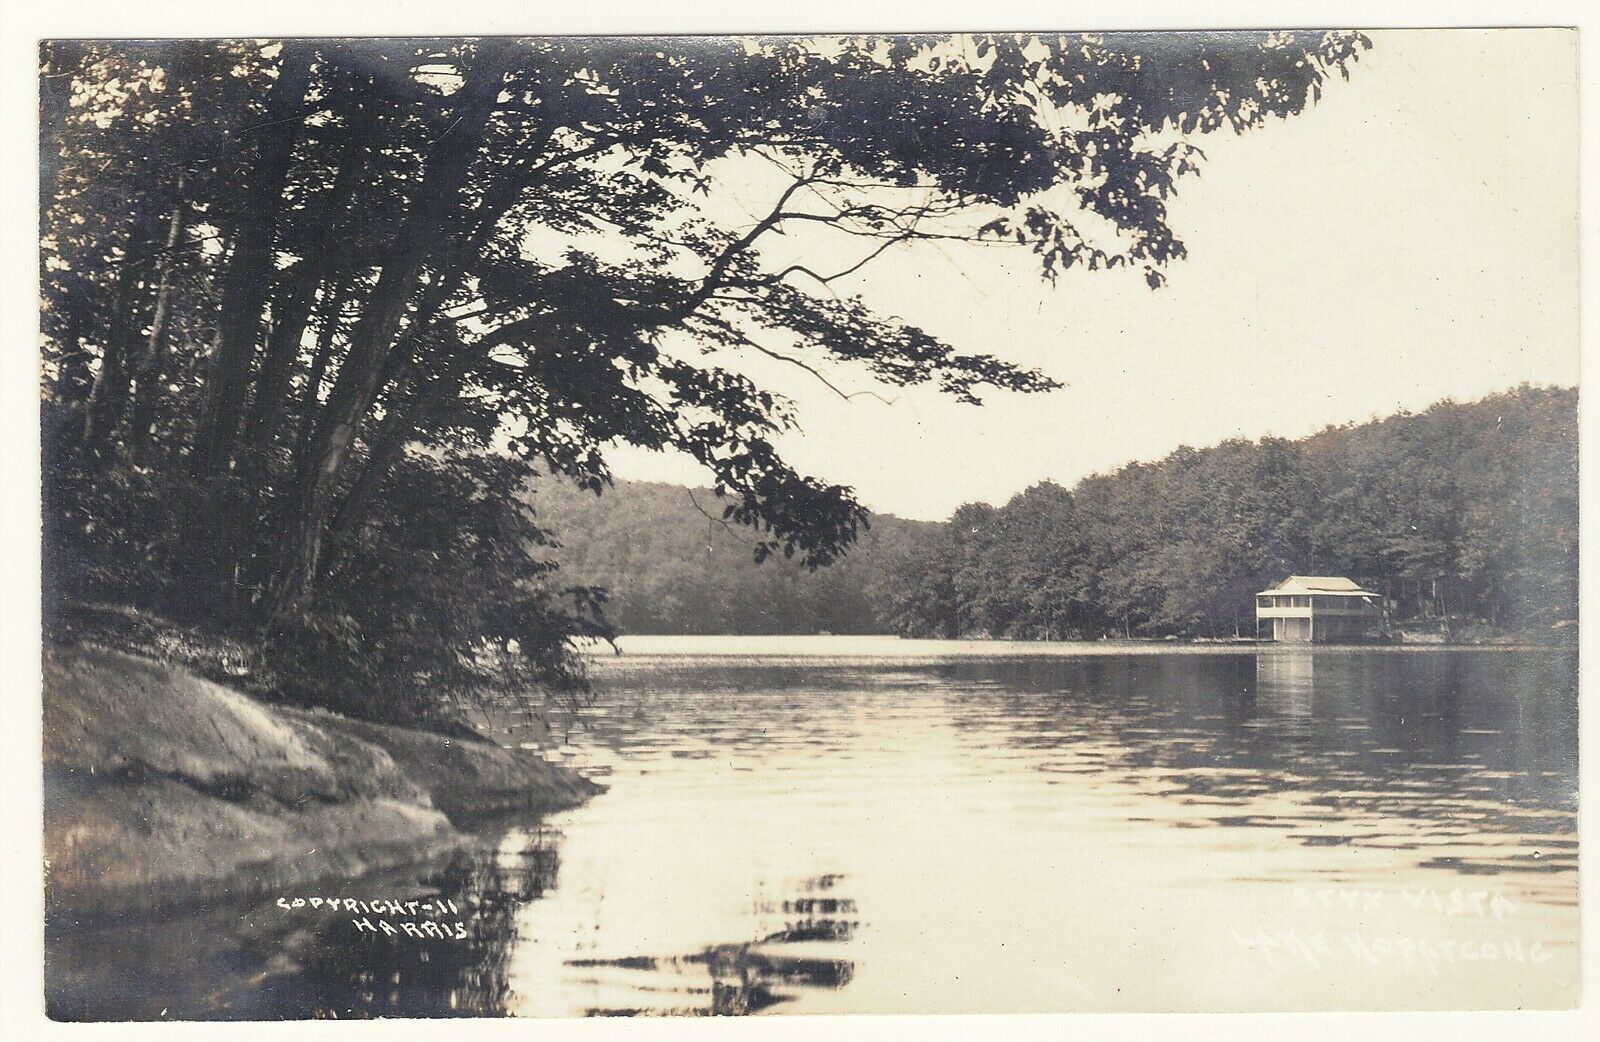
163, 788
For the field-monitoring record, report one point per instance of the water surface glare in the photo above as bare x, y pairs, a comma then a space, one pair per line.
1021, 827
868, 825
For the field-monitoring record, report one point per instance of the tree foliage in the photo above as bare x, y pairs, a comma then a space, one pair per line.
278, 275
1463, 511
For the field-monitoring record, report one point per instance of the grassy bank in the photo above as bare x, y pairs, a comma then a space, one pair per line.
164, 788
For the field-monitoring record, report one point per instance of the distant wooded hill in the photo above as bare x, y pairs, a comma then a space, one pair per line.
670, 568
1464, 512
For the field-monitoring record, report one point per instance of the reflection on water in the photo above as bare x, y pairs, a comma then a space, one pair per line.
1285, 683
734, 979
266, 962
870, 826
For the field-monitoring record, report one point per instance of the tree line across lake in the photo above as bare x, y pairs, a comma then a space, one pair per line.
1464, 516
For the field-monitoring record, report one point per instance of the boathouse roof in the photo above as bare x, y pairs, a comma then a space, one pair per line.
1325, 585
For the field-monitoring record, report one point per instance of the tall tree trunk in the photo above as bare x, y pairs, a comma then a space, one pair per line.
147, 374
435, 212
291, 482
332, 308
411, 410
110, 388
244, 293
292, 304
321, 254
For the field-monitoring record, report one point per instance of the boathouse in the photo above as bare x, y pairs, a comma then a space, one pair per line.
1319, 609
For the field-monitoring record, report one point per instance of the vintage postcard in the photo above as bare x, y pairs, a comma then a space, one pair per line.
1014, 522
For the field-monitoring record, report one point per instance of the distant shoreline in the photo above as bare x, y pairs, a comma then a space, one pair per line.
642, 646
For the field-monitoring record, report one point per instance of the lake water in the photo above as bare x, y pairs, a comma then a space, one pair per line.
836, 825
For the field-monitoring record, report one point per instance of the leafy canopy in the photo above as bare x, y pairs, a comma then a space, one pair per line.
280, 273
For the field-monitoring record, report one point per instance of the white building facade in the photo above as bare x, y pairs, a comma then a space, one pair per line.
1318, 609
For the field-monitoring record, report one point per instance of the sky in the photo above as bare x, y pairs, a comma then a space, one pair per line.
1412, 237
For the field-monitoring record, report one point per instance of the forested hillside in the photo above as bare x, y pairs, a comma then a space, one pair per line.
1466, 514
671, 565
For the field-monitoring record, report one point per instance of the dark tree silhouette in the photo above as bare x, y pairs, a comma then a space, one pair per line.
274, 271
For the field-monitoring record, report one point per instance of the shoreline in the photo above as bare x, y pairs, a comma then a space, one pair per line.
163, 789
642, 647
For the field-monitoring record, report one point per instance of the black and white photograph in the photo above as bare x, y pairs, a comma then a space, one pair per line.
1011, 522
